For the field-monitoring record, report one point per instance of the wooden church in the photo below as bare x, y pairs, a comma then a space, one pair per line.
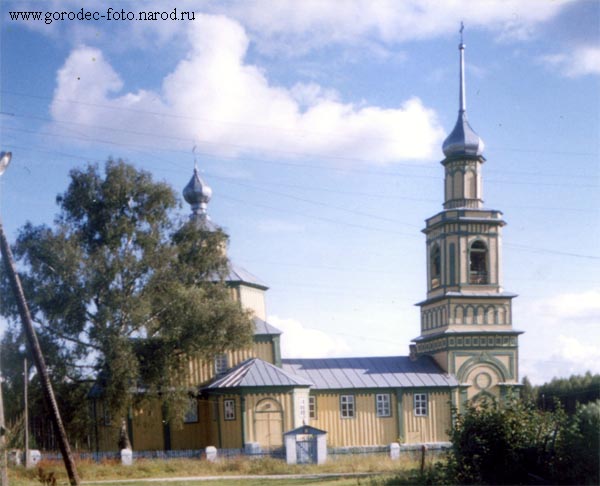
467, 348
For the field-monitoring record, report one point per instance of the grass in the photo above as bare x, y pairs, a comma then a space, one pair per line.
157, 468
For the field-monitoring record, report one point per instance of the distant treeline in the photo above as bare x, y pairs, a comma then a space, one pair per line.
566, 391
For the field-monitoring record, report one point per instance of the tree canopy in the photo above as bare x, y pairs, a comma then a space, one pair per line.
122, 290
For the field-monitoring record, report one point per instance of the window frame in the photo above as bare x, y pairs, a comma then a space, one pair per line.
383, 408
347, 406
229, 409
480, 250
221, 363
312, 407
106, 418
435, 266
192, 415
421, 404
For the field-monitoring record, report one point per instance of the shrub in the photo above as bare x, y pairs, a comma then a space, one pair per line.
508, 444
578, 448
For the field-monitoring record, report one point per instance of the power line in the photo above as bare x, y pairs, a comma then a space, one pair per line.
389, 231
320, 218
239, 146
253, 125
301, 187
554, 252
279, 163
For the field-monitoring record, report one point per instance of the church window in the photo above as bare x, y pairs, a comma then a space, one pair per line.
382, 401
420, 404
347, 406
312, 407
229, 409
105, 414
478, 263
191, 415
436, 266
221, 364
452, 264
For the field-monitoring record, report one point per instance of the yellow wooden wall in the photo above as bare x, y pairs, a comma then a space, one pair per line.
264, 351
147, 427
108, 438
434, 426
195, 435
228, 431
364, 429
106, 433
253, 299
201, 371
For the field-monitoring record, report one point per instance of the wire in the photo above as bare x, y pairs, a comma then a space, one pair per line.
279, 163
182, 139
254, 125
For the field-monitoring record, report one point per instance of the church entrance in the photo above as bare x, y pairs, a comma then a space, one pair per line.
268, 424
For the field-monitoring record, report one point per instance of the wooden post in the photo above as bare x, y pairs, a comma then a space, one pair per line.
38, 358
423, 451
3, 461
26, 413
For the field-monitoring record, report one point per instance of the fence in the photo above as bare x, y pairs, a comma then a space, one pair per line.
412, 451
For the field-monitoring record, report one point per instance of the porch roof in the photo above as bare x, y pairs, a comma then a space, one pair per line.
264, 328
255, 372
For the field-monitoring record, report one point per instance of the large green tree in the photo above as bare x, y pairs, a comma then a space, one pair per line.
123, 291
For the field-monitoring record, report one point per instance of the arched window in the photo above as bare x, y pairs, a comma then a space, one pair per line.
478, 263
436, 266
452, 264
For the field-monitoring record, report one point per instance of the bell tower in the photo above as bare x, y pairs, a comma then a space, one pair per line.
466, 319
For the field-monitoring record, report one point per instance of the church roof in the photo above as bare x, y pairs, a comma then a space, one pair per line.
238, 274
255, 372
372, 372
264, 328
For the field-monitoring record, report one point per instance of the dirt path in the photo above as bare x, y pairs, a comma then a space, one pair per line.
232, 478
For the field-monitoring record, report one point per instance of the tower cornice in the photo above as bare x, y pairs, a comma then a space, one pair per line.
491, 217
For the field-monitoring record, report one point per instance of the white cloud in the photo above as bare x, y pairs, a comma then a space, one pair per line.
573, 350
229, 107
298, 341
580, 61
562, 336
318, 22
298, 25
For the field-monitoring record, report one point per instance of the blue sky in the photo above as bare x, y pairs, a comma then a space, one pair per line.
319, 124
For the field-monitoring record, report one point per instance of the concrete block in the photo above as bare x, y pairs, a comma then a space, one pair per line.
211, 453
126, 457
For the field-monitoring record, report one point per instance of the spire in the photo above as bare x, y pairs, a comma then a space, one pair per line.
197, 193
462, 140
462, 98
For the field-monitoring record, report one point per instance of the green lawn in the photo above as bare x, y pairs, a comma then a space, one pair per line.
153, 469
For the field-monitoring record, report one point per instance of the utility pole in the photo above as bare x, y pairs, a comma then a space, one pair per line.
26, 412
34, 346
3, 461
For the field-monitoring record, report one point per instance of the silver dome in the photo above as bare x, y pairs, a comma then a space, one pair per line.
197, 193
463, 140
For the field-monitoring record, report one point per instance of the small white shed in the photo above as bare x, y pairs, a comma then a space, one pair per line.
305, 445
